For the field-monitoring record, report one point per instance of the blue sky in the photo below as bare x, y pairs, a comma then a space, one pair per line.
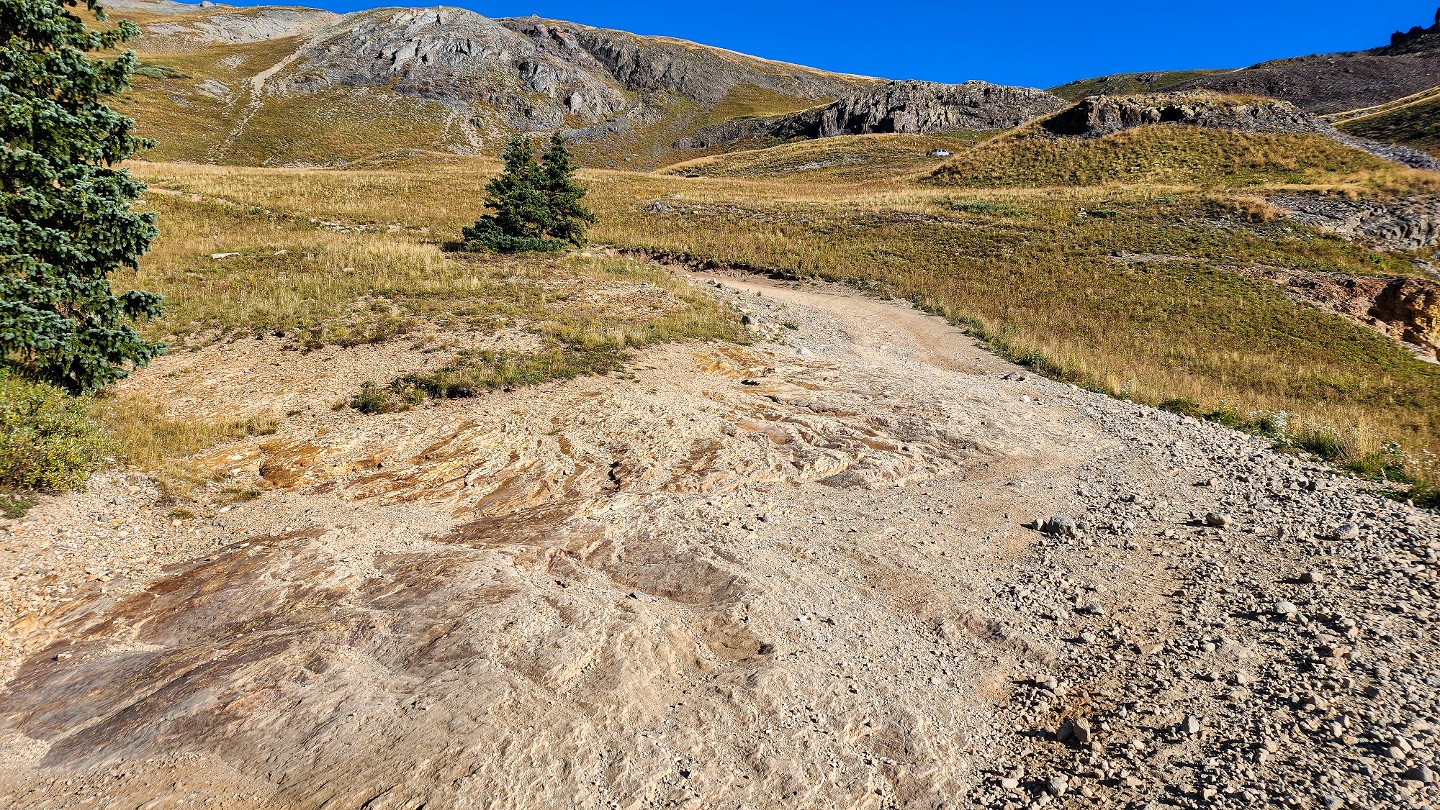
1031, 43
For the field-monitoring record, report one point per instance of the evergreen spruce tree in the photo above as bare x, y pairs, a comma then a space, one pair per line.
65, 218
568, 217
536, 204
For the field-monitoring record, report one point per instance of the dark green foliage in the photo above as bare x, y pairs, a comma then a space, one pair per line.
65, 217
1387, 464
47, 440
537, 205
373, 398
568, 217
153, 71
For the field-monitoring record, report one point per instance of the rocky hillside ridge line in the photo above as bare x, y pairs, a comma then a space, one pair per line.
665, 65
501, 76
458, 58
193, 27
1335, 82
1099, 116
909, 107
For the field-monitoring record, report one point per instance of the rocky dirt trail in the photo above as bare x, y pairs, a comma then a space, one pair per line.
795, 574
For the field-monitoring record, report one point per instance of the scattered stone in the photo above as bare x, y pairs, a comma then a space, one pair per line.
1346, 531
1057, 786
1061, 526
1218, 520
1419, 773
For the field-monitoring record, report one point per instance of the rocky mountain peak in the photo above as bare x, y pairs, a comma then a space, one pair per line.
456, 57
664, 65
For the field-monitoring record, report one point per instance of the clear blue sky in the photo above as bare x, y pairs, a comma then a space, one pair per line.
1030, 43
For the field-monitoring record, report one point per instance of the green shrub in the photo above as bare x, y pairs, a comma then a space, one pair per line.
1386, 464
1325, 444
1425, 496
372, 399
15, 505
487, 234
47, 441
985, 208
1184, 407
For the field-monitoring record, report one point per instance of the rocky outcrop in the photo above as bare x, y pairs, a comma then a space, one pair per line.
1411, 223
663, 65
1407, 309
478, 80
458, 58
1412, 306
1098, 116
190, 31
918, 108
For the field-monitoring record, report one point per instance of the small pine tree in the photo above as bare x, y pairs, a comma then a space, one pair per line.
65, 218
536, 205
568, 217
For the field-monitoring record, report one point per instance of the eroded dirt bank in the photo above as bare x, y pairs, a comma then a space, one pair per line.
788, 575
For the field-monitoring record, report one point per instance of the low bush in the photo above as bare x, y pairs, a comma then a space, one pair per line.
47, 441
487, 235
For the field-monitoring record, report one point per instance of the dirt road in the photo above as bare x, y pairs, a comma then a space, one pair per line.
788, 575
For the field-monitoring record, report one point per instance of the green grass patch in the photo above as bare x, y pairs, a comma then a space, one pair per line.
985, 208
1417, 125
48, 442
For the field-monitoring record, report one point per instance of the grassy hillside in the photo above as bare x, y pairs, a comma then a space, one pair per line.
1166, 155
844, 160
1416, 124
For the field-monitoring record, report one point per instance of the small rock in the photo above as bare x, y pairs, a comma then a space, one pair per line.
1056, 786
1218, 520
1346, 531
1191, 726
1060, 526
1312, 577
1419, 773
1286, 609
